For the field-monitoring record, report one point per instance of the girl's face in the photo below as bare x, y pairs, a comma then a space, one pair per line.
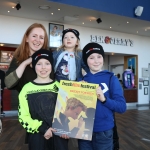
35, 39
95, 62
70, 41
43, 68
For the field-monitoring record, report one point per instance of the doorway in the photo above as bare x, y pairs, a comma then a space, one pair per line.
119, 68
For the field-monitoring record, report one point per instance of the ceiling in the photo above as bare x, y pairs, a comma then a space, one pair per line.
30, 9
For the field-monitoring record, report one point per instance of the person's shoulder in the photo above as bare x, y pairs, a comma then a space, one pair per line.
56, 82
55, 85
28, 85
113, 78
79, 52
57, 52
111, 74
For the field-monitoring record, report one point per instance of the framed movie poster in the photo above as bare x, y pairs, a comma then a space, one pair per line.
132, 64
6, 56
55, 34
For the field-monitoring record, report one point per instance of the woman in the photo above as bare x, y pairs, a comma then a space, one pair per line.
20, 71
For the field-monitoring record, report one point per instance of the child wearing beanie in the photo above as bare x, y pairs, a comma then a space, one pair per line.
110, 99
37, 104
68, 62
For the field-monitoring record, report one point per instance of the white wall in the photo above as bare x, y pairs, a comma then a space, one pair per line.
13, 28
116, 60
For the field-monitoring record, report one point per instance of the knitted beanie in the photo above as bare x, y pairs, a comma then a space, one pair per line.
76, 33
91, 48
42, 53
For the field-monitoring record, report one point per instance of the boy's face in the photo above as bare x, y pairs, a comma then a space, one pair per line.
43, 68
95, 62
70, 40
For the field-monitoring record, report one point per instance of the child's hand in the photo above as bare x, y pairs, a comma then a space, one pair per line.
48, 133
64, 136
100, 94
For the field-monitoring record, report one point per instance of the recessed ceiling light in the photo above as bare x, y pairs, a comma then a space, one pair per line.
145, 29
8, 11
82, 22
44, 7
127, 22
51, 13
137, 32
13, 7
58, 8
110, 27
1, 44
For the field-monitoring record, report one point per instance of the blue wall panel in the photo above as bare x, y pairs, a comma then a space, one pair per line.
119, 7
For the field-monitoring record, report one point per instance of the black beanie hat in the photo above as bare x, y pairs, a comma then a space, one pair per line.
91, 48
42, 53
76, 33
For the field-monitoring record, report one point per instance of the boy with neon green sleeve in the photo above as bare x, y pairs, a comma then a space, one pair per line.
37, 101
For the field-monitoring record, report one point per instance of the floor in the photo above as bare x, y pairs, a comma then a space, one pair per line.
133, 128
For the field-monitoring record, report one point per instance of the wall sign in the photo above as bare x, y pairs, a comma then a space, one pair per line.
111, 40
131, 63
